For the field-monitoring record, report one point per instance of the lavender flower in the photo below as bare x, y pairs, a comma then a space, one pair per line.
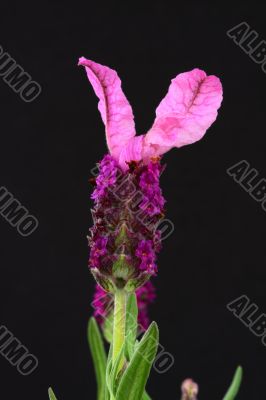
128, 199
124, 239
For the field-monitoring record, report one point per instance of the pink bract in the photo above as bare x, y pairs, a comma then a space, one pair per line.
183, 116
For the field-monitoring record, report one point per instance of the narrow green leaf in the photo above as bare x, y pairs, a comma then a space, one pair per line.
51, 394
115, 370
133, 381
131, 325
108, 375
108, 327
98, 355
146, 396
110, 353
108, 370
234, 387
136, 345
106, 393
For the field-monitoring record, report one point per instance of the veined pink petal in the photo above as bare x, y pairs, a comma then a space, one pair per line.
186, 112
114, 107
132, 151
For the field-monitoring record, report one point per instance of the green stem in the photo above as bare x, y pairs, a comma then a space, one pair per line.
119, 321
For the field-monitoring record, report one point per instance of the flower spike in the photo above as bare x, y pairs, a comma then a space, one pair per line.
128, 200
125, 238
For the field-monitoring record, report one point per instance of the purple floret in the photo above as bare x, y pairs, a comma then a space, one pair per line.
108, 170
145, 296
102, 304
153, 201
145, 252
98, 250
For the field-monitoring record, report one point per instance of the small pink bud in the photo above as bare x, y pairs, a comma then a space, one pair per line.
189, 390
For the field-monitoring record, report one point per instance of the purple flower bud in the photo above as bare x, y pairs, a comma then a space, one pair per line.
153, 200
145, 296
146, 253
109, 168
124, 239
98, 250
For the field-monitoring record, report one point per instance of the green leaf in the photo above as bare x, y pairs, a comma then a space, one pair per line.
51, 394
234, 387
110, 353
131, 325
115, 370
107, 374
98, 355
106, 393
108, 327
146, 396
133, 381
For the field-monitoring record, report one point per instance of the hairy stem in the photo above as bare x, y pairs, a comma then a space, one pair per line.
119, 322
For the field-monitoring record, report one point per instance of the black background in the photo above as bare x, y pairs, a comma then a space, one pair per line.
217, 251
